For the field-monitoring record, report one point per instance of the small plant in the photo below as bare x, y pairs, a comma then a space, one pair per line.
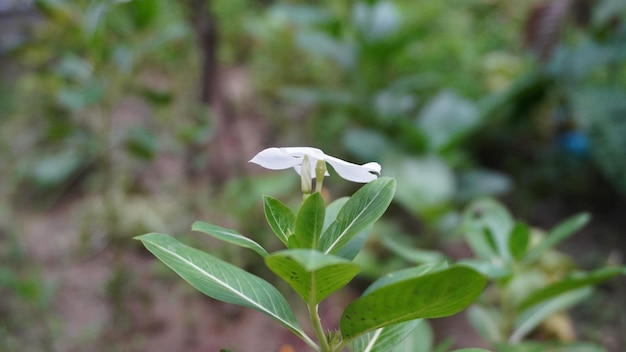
533, 284
321, 242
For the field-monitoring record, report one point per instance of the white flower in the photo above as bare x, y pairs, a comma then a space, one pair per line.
284, 158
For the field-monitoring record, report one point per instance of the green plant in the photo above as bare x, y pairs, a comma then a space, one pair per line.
80, 63
531, 280
379, 71
321, 242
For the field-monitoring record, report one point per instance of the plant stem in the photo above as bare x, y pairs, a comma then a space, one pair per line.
317, 325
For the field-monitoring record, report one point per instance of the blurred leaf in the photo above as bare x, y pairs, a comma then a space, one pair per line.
492, 269
228, 235
221, 280
528, 320
74, 68
499, 223
312, 96
141, 143
312, 274
53, 170
94, 17
124, 58
386, 338
280, 218
376, 21
487, 226
366, 144
143, 13
156, 96
432, 295
562, 231
319, 44
572, 282
411, 254
301, 15
607, 10
446, 118
423, 184
550, 347
519, 240
77, 98
360, 211
482, 183
420, 339
487, 322
393, 104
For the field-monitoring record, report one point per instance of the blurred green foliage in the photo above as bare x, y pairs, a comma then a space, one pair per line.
456, 99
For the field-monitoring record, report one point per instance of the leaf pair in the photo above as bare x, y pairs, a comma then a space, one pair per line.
310, 228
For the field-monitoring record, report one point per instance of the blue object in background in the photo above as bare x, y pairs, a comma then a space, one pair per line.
575, 143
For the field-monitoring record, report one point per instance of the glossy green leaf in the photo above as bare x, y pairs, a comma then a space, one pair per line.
221, 280
280, 218
432, 295
310, 221
573, 282
356, 244
385, 338
562, 231
405, 274
472, 350
360, 211
312, 274
228, 235
531, 318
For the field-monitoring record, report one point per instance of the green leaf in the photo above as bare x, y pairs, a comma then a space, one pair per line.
573, 282
356, 244
228, 235
519, 240
489, 219
412, 254
309, 221
385, 338
280, 218
405, 274
312, 274
562, 231
432, 295
487, 321
420, 339
550, 347
362, 209
220, 280
531, 318
472, 350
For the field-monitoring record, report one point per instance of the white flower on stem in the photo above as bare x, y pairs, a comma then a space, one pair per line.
284, 158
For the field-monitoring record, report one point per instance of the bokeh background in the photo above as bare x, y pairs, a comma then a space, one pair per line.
124, 117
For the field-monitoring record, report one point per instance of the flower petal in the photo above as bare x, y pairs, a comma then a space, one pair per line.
276, 159
354, 172
313, 153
